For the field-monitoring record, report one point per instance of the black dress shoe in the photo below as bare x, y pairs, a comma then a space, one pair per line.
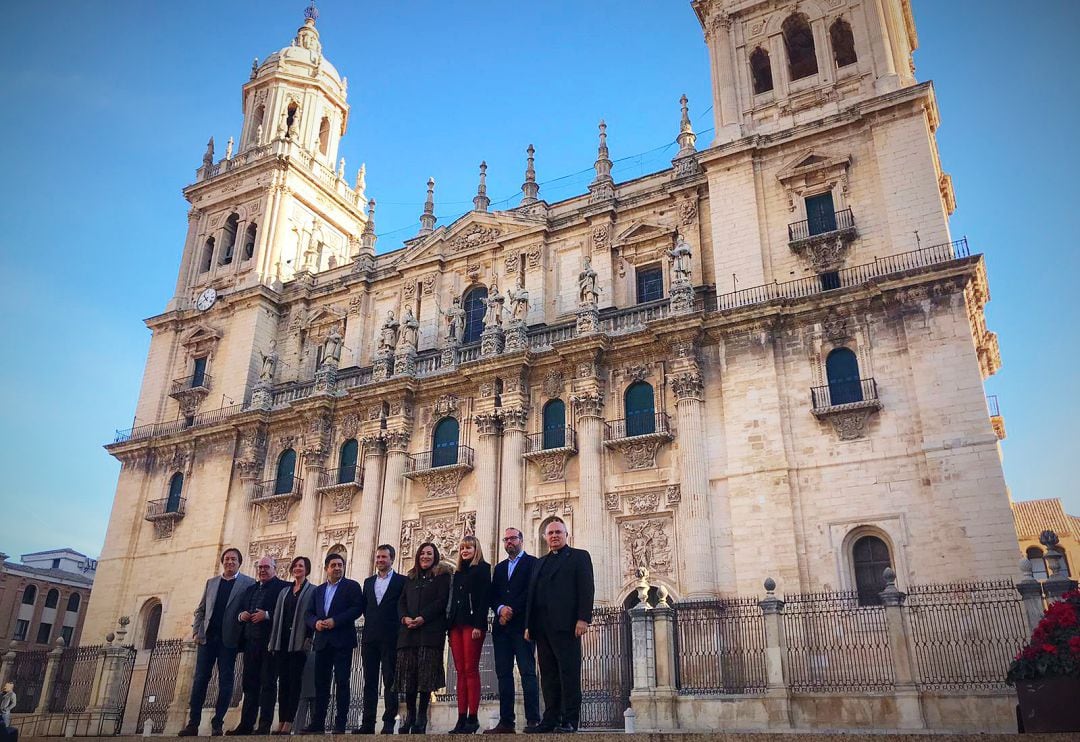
540, 728
501, 728
365, 729
239, 732
313, 730
566, 729
191, 730
387, 727
216, 731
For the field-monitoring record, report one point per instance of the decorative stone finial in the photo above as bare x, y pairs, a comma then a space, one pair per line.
891, 595
367, 237
1025, 569
427, 219
254, 67
229, 149
770, 585
481, 200
361, 183
208, 155
603, 187
341, 169
1048, 539
529, 188
311, 12
687, 139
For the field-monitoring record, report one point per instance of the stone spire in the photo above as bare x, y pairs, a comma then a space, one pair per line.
208, 155
427, 219
481, 200
307, 36
367, 237
361, 183
687, 139
603, 186
530, 188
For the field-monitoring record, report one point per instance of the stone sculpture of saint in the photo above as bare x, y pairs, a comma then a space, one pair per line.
587, 292
409, 329
269, 363
455, 322
494, 304
680, 261
388, 334
519, 303
332, 346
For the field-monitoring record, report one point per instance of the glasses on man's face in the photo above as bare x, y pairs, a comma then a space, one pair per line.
511, 538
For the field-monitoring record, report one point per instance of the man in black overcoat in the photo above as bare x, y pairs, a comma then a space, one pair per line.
378, 648
558, 613
260, 673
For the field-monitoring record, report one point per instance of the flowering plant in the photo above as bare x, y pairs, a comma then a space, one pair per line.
1054, 649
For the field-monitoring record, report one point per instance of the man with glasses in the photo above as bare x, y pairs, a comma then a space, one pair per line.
509, 588
260, 676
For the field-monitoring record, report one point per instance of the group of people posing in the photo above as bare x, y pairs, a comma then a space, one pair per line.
298, 639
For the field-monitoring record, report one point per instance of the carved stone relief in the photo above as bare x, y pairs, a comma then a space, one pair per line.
553, 384
647, 543
445, 530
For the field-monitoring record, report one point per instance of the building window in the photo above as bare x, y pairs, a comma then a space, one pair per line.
347, 461
256, 122
249, 240
74, 601
229, 238
820, 214
474, 314
286, 470
56, 564
29, 595
444, 442
842, 372
640, 409
207, 255
52, 599
650, 284
176, 488
198, 372
44, 631
554, 424
21, 627
869, 558
151, 626
1038, 564
66, 632
324, 136
291, 115
843, 43
799, 42
761, 71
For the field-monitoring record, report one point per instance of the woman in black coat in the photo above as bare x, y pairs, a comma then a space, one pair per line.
290, 641
467, 616
422, 636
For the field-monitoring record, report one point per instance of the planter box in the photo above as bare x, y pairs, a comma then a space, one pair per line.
1049, 704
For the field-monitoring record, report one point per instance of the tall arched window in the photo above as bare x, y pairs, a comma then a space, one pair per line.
286, 470
1038, 564
151, 626
555, 424
228, 240
842, 371
176, 488
843, 43
799, 42
640, 408
347, 461
474, 314
257, 121
52, 599
207, 255
444, 442
74, 601
324, 135
869, 558
291, 119
29, 595
249, 240
761, 71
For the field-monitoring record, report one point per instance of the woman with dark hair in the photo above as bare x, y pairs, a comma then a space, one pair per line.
290, 641
422, 635
467, 617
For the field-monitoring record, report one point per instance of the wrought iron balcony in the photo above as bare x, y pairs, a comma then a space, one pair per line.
156, 430
461, 456
341, 475
165, 509
847, 405
550, 440
196, 382
996, 420
823, 227
277, 488
634, 427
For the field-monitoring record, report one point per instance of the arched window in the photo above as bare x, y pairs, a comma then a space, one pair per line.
1038, 564
74, 600
444, 442
207, 255
843, 43
229, 238
176, 488
324, 136
761, 71
384, 412
842, 371
869, 558
256, 122
29, 595
249, 240
474, 314
151, 623
799, 42
347, 461
640, 409
52, 599
291, 117
555, 424
286, 470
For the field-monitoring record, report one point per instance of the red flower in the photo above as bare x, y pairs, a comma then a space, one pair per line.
1049, 648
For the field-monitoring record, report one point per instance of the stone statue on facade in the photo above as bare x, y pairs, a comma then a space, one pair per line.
332, 346
494, 304
587, 291
388, 334
409, 329
455, 322
269, 363
680, 261
519, 303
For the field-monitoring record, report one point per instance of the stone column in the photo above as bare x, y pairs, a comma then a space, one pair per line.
908, 707
51, 664
778, 698
725, 95
821, 50
643, 648
393, 491
696, 575
591, 528
1032, 595
487, 474
185, 674
374, 465
881, 48
307, 525
512, 482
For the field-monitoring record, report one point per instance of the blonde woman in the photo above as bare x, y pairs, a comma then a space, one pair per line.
7, 704
467, 620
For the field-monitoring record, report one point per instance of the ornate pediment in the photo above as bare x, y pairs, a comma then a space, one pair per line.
812, 161
639, 232
200, 339
471, 233
326, 316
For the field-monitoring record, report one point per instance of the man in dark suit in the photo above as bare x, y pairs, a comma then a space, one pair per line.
216, 629
378, 648
558, 613
332, 616
509, 592
260, 671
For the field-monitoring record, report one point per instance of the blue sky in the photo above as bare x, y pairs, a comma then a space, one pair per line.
109, 106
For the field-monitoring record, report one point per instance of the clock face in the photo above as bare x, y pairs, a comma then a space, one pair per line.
206, 300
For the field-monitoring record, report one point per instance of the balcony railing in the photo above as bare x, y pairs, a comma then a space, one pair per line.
846, 277
843, 393
841, 221
278, 487
449, 456
155, 430
167, 508
554, 438
196, 381
341, 475
636, 425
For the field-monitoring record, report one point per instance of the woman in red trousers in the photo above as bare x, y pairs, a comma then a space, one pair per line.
467, 619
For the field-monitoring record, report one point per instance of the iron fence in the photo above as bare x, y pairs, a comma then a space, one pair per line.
356, 688
827, 223
489, 681
160, 686
196, 381
333, 476
28, 673
638, 425
74, 679
448, 456
158, 508
277, 487
237, 691
843, 392
124, 670
719, 647
964, 634
156, 430
606, 678
834, 644
564, 437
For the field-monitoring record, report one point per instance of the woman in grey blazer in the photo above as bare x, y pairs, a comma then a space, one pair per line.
7, 704
290, 641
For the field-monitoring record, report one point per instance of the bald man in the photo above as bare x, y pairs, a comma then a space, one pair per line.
260, 678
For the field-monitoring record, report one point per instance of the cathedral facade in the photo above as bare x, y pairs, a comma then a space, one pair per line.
765, 360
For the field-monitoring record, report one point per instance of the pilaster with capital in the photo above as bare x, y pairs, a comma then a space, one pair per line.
718, 31
394, 483
512, 481
370, 496
487, 466
588, 411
